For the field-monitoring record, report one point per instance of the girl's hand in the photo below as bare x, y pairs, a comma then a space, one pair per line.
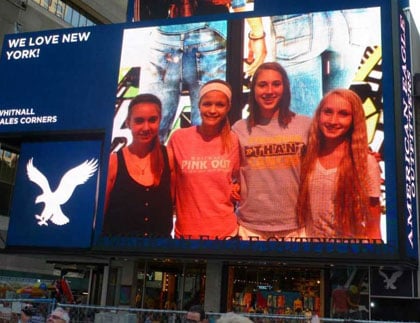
236, 192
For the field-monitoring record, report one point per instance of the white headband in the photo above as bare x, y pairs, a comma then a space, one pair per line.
216, 86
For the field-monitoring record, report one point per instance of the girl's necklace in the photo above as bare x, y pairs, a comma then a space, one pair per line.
139, 163
142, 169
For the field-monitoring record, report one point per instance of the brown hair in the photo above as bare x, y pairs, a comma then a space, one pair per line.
285, 114
156, 156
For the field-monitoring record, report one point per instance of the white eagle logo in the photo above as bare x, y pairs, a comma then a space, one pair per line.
53, 200
390, 281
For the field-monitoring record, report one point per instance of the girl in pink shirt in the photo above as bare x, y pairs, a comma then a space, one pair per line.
205, 162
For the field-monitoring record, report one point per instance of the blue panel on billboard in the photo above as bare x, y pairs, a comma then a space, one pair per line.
410, 231
54, 199
58, 80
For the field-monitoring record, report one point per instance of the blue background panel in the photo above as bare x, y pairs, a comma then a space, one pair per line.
54, 159
75, 81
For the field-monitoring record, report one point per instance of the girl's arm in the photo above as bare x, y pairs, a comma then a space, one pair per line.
171, 159
373, 225
112, 175
236, 186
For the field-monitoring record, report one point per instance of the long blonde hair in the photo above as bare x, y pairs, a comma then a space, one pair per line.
351, 202
156, 156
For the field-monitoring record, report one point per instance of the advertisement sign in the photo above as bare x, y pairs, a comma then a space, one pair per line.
252, 195
54, 200
51, 80
408, 124
392, 282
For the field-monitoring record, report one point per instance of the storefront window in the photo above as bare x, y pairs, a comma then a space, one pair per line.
8, 162
349, 293
167, 284
112, 286
273, 290
194, 285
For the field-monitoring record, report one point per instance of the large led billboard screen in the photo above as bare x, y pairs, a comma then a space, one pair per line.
308, 169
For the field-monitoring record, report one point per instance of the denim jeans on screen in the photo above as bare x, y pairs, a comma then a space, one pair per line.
321, 51
183, 61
